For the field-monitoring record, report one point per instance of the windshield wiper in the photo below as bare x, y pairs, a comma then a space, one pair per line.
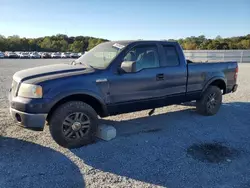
89, 66
74, 62
79, 62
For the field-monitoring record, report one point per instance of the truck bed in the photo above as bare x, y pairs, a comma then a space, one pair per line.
200, 74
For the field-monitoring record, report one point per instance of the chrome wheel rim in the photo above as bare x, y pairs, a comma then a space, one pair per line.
76, 125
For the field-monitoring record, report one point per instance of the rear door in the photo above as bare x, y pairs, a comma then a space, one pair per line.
175, 73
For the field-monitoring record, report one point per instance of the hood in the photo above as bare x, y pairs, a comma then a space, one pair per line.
49, 72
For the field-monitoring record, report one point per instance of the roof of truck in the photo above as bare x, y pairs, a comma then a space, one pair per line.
127, 42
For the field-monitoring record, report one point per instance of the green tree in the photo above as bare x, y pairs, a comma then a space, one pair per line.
46, 44
3, 43
93, 42
61, 42
13, 43
245, 44
64, 45
77, 46
190, 46
32, 45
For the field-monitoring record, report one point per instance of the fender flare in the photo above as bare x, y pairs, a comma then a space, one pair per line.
66, 94
212, 80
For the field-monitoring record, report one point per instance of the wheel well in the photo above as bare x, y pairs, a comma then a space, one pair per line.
92, 101
220, 84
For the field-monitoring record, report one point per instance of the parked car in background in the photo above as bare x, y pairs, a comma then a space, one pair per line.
56, 55
35, 55
80, 54
65, 55
18, 53
74, 55
11, 55
45, 55
2, 55
24, 55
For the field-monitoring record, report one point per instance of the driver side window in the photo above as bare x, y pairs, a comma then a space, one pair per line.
144, 57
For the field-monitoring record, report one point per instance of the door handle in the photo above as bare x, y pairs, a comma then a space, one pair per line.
159, 77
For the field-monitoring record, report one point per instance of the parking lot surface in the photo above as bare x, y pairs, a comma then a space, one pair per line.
174, 148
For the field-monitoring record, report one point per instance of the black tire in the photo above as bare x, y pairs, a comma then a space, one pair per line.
210, 101
59, 125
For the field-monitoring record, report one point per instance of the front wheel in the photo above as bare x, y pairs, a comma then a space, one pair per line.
210, 102
73, 124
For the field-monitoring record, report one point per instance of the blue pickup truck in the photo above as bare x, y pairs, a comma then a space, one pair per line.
114, 78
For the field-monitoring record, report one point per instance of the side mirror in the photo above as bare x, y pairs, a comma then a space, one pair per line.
127, 67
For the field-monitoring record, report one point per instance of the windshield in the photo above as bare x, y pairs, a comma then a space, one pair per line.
101, 56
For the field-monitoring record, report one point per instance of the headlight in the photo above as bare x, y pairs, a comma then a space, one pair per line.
30, 91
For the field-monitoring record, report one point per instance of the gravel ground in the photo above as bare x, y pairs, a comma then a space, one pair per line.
173, 148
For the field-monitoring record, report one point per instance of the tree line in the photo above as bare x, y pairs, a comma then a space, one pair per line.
219, 43
64, 43
56, 43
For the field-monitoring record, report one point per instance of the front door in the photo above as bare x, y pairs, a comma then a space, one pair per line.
140, 89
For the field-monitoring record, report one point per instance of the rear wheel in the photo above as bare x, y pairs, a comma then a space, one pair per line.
210, 102
73, 124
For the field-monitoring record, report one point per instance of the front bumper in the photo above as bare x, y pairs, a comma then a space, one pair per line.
27, 120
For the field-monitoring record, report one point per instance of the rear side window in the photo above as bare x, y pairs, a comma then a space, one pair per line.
172, 58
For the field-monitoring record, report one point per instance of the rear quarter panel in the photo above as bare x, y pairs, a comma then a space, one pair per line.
201, 74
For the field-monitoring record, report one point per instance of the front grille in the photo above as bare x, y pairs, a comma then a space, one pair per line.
14, 88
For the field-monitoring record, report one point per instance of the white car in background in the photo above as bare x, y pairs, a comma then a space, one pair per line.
11, 55
65, 55
80, 54
24, 55
35, 55
56, 55
2, 55
18, 53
